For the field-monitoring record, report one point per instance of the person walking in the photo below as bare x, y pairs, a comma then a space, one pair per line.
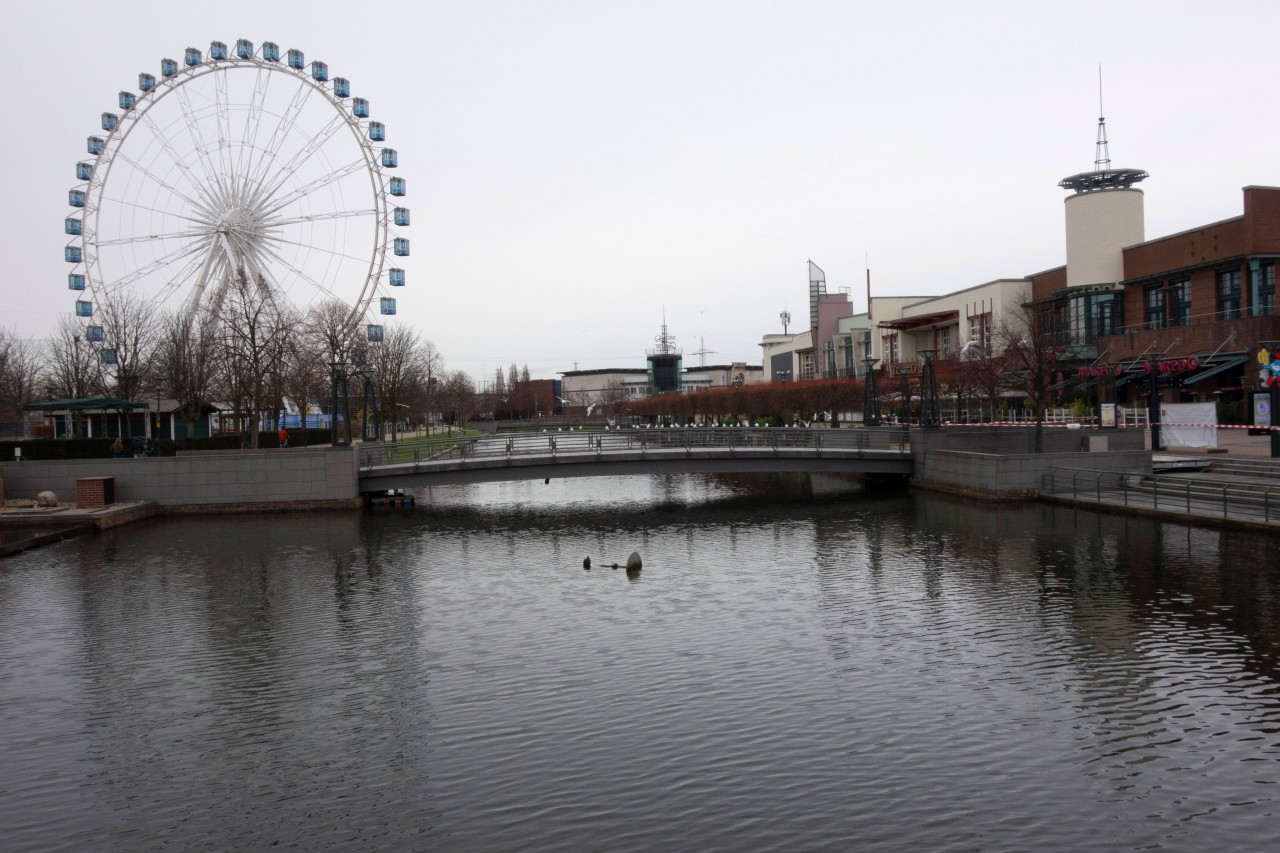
137, 447
117, 449
284, 437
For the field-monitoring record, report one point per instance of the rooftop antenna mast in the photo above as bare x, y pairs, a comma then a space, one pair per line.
666, 344
1102, 154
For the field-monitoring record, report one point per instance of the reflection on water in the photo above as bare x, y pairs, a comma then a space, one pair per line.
800, 664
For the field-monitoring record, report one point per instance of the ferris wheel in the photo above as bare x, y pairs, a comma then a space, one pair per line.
242, 160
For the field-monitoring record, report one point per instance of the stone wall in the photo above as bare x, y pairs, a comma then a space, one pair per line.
260, 479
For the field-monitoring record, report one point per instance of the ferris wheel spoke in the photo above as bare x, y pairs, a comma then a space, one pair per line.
304, 153
199, 143
178, 160
224, 124
144, 238
320, 217
175, 283
317, 184
300, 274
280, 241
136, 206
145, 172
158, 264
253, 120
288, 118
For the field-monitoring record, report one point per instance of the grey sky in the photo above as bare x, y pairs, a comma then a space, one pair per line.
574, 168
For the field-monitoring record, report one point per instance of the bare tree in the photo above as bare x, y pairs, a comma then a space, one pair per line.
331, 330
253, 335
186, 362
1024, 341
458, 396
73, 371
395, 362
20, 371
130, 327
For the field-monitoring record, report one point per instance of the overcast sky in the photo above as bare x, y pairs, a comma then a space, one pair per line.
578, 168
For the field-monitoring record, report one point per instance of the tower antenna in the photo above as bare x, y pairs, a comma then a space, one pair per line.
1102, 155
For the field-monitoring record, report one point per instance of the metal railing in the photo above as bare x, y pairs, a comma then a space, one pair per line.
1203, 496
592, 444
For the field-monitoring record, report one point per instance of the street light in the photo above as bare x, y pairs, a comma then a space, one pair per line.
871, 396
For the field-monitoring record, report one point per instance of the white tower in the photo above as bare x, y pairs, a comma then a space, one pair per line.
1104, 215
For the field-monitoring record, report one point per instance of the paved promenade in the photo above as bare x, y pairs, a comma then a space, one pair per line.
1236, 442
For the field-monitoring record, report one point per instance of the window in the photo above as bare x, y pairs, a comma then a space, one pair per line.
944, 341
1179, 302
1153, 305
1266, 290
1229, 294
806, 364
831, 359
1108, 314
980, 331
890, 345
848, 355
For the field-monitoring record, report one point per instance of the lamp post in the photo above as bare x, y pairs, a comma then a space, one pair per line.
338, 408
871, 395
929, 415
904, 411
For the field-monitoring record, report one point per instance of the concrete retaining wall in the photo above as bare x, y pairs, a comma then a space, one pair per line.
1013, 476
261, 479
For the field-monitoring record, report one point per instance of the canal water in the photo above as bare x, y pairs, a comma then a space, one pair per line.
799, 665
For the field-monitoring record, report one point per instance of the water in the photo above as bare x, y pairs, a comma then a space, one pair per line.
790, 671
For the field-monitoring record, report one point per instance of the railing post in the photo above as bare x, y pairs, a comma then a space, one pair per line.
1266, 504
1224, 500
1155, 492
1075, 478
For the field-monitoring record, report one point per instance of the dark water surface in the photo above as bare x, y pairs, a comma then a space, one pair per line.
788, 672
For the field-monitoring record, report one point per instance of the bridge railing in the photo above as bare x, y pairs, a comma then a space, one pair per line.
603, 442
1216, 496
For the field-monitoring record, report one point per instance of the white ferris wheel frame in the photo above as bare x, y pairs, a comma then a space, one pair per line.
217, 263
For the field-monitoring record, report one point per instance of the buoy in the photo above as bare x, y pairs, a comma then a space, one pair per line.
633, 562
586, 564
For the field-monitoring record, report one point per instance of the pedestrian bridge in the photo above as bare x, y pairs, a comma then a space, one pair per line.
679, 450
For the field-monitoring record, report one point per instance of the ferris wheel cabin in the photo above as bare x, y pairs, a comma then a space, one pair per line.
73, 254
270, 51
127, 100
244, 49
75, 281
146, 82
396, 277
387, 305
401, 216
296, 59
217, 50
192, 56
94, 334
341, 87
83, 308
401, 246
396, 187
359, 108
389, 158
84, 171
319, 72
73, 226
377, 131
374, 333
168, 67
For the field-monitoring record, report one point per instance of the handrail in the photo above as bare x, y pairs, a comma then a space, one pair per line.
1202, 495
598, 443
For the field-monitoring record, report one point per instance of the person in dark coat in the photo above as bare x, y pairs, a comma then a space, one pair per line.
137, 447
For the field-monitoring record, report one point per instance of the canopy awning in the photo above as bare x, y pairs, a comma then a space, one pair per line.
1233, 361
923, 320
84, 404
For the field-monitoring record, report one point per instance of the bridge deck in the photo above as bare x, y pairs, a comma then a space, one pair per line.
593, 454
